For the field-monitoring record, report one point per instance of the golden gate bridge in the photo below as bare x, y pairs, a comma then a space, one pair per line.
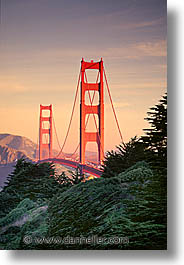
85, 112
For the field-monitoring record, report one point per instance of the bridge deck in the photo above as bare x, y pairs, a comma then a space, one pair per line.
74, 164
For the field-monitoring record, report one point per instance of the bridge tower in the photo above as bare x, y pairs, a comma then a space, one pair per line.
86, 87
45, 132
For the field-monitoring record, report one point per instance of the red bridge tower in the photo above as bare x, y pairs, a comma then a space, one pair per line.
45, 147
98, 136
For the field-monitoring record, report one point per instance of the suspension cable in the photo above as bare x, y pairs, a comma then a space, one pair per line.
76, 93
56, 131
85, 126
113, 107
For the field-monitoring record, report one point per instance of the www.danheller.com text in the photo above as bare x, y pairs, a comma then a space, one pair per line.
75, 240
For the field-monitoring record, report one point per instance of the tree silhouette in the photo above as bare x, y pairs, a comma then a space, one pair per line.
155, 140
124, 157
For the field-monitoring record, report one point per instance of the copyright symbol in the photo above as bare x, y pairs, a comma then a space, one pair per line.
27, 240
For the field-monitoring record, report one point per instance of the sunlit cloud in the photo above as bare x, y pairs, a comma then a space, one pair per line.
138, 50
139, 24
152, 48
135, 50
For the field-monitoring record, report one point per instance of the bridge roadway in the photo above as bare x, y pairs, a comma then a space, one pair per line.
75, 164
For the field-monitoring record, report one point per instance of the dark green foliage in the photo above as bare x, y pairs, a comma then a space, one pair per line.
129, 205
156, 137
28, 180
125, 156
28, 218
149, 210
132, 204
76, 177
73, 179
79, 210
28, 191
24, 202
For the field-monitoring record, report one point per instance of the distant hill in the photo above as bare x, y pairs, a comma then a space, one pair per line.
18, 143
12, 148
9, 155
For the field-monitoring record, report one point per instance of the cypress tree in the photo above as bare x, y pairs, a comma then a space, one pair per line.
155, 140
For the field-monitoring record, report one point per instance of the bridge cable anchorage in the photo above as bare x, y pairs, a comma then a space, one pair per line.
88, 115
56, 132
113, 107
94, 116
76, 93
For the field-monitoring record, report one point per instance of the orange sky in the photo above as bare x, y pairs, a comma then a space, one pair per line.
41, 47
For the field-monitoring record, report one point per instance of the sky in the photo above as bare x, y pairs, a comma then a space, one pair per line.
42, 43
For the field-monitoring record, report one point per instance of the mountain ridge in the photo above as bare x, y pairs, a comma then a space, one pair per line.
18, 143
9, 155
